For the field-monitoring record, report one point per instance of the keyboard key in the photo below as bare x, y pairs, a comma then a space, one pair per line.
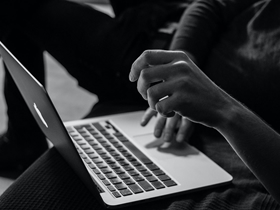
133, 173
152, 167
123, 163
128, 168
122, 138
101, 165
141, 168
87, 161
124, 176
135, 188
117, 134
97, 147
117, 145
125, 192
101, 176
119, 171
158, 172
136, 163
115, 181
129, 181
118, 158
101, 152
138, 178
114, 153
93, 156
106, 170
169, 183
83, 156
110, 161
111, 175
164, 177
106, 145
116, 194
110, 150
97, 161
120, 186
113, 141
96, 171
106, 182
130, 158
114, 166
84, 146
151, 178
158, 185
105, 157
92, 166
146, 173
92, 143
146, 186
89, 151
111, 188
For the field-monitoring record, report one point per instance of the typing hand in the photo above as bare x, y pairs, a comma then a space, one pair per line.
176, 127
172, 83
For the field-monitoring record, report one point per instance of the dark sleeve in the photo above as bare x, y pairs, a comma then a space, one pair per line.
203, 22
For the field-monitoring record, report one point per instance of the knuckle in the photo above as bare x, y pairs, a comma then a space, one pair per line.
151, 93
144, 74
160, 108
146, 55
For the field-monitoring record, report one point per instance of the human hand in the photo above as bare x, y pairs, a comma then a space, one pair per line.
172, 83
176, 127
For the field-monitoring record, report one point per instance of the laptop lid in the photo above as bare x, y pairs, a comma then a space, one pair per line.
46, 115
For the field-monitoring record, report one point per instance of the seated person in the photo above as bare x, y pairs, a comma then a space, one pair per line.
191, 94
246, 48
248, 53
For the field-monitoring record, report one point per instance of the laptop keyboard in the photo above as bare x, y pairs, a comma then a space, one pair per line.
121, 166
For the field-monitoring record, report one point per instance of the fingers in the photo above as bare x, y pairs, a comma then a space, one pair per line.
185, 130
160, 126
170, 127
177, 128
149, 77
150, 58
165, 106
149, 113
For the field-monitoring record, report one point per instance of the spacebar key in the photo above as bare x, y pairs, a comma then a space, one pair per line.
140, 155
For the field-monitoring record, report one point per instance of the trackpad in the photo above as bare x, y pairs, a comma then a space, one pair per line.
164, 151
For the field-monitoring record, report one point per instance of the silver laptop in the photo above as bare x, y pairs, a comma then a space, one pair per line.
120, 161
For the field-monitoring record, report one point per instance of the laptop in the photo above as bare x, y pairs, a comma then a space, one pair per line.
120, 162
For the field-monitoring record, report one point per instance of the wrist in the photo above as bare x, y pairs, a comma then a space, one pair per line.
230, 115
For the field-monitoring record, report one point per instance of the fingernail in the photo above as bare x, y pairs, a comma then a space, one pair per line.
157, 133
180, 138
131, 77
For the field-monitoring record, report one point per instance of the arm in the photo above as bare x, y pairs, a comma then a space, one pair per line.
255, 142
192, 94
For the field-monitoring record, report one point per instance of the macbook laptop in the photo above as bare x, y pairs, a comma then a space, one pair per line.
121, 162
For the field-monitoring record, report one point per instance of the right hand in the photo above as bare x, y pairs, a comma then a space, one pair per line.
181, 87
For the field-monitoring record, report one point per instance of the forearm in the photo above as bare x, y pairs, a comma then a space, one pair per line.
256, 143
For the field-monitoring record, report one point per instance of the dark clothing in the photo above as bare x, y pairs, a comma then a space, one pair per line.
231, 46
236, 43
